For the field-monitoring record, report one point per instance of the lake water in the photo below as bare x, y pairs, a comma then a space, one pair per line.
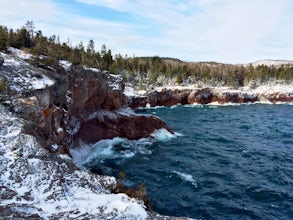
225, 162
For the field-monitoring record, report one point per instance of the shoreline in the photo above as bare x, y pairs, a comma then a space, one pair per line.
272, 93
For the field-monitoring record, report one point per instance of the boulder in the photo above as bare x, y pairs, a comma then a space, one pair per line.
109, 125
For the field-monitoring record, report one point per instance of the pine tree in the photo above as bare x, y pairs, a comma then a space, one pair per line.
3, 38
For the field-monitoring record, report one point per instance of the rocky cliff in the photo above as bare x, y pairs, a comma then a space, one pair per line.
79, 104
44, 113
222, 96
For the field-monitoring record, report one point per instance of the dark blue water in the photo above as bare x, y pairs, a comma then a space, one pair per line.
231, 162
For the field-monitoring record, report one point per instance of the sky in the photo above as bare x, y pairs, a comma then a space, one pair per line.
228, 31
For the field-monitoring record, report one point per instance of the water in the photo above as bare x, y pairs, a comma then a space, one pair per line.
231, 162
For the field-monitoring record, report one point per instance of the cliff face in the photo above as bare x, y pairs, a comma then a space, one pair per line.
80, 104
169, 97
98, 109
56, 109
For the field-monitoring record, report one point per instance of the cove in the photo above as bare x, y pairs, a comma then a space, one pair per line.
224, 162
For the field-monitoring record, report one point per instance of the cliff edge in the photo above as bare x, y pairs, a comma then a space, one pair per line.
44, 113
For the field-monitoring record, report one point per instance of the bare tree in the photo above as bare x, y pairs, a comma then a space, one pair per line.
29, 26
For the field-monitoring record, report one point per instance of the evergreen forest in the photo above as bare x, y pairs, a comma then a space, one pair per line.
140, 71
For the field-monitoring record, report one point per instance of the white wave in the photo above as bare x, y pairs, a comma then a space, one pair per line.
175, 106
177, 134
116, 148
223, 104
148, 106
162, 135
186, 177
103, 149
195, 105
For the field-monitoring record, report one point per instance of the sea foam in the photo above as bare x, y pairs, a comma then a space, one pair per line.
186, 177
162, 135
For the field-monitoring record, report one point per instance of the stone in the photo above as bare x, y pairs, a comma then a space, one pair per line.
1, 61
110, 125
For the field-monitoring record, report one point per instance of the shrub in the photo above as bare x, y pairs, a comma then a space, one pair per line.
3, 85
138, 192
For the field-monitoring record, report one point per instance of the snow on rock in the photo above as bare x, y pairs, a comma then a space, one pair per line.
65, 64
115, 82
20, 53
130, 92
21, 76
39, 185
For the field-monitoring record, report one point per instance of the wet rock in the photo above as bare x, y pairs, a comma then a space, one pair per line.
109, 125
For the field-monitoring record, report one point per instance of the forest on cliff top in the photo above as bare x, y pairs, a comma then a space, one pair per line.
140, 71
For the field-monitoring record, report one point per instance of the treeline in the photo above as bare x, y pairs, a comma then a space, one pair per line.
141, 71
49, 50
161, 71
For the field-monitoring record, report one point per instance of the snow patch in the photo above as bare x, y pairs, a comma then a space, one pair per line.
41, 83
65, 64
20, 53
130, 92
22, 76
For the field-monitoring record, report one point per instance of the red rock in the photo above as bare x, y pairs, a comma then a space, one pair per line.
132, 127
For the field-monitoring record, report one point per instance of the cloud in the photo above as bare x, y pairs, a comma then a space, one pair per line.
15, 13
221, 30
224, 30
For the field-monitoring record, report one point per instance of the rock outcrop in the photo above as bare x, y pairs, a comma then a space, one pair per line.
169, 97
37, 184
97, 109
107, 125
56, 107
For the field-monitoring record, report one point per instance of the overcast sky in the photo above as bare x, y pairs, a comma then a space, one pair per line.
230, 31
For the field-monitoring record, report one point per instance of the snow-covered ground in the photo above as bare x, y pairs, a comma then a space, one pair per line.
131, 92
39, 185
264, 89
20, 53
35, 183
269, 62
21, 75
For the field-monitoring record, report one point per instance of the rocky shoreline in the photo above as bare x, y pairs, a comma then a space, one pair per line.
217, 95
45, 113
